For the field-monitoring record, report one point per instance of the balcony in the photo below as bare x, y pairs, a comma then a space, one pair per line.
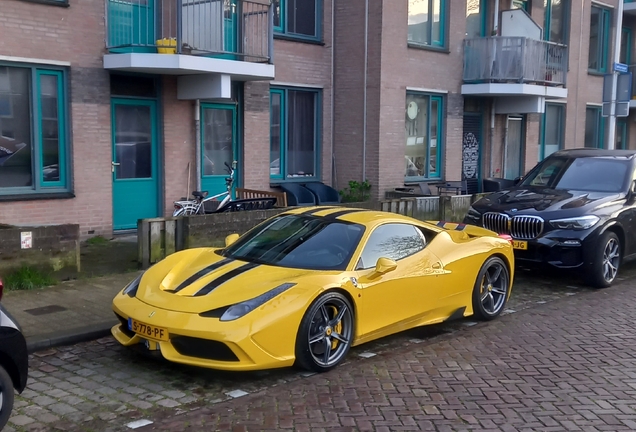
232, 39
515, 66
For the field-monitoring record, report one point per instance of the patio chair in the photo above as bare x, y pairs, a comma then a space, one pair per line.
297, 195
324, 194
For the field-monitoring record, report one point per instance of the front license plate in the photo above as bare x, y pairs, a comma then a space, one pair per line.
147, 330
518, 244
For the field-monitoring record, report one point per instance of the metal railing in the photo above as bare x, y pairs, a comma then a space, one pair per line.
500, 59
231, 29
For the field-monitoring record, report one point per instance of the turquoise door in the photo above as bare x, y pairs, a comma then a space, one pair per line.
230, 29
218, 145
131, 25
135, 162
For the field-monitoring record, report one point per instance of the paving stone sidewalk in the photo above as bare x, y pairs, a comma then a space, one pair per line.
67, 313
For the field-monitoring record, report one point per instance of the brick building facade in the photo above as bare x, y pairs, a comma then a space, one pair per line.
98, 127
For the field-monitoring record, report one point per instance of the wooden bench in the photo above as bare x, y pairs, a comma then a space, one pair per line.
281, 197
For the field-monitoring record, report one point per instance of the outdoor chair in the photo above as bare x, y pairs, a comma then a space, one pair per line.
297, 195
324, 194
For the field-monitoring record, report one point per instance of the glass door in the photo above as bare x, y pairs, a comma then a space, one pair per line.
218, 145
513, 162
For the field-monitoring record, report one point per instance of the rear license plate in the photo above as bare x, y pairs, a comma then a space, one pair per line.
521, 245
148, 331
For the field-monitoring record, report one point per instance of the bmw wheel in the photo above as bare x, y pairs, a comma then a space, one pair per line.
6, 397
326, 333
607, 260
491, 290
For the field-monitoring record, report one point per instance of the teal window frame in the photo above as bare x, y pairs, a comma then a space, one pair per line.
599, 128
622, 130
626, 39
483, 18
284, 136
282, 31
435, 44
39, 187
603, 42
547, 21
441, 106
561, 125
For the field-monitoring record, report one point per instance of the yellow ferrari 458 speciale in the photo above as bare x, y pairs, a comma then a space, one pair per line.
306, 285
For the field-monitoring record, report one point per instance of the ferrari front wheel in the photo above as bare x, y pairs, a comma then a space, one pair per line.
491, 289
326, 333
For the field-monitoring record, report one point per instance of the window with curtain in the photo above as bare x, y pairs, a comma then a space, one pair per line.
600, 24
426, 23
33, 143
298, 18
294, 133
553, 129
424, 114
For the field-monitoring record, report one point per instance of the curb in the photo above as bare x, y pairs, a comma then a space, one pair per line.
69, 337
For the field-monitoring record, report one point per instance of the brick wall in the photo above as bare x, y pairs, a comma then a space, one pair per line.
75, 35
54, 248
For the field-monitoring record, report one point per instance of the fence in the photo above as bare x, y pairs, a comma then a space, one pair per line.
160, 237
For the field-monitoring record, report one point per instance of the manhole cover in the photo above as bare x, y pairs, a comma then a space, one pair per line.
45, 310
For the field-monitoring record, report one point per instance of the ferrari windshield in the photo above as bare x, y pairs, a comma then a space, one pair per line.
299, 241
594, 174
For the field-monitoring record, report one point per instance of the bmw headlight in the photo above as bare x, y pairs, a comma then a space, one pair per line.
131, 288
576, 223
241, 309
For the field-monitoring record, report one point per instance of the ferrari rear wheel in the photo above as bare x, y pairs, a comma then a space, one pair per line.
491, 289
326, 333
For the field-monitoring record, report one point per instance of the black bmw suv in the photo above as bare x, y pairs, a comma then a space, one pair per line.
14, 362
576, 209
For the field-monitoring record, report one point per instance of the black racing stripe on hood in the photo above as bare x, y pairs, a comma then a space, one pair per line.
224, 278
198, 275
336, 215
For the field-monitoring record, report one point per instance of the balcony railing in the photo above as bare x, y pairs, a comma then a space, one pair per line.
502, 59
230, 29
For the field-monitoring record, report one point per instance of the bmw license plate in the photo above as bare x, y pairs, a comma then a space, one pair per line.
521, 245
148, 331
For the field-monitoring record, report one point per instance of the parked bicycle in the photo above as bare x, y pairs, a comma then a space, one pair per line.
187, 207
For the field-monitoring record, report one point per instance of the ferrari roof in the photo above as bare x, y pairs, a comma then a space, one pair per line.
355, 215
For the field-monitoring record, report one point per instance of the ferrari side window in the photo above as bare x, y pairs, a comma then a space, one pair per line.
394, 241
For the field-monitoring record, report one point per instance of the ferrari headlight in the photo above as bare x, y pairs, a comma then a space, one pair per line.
241, 309
576, 223
132, 287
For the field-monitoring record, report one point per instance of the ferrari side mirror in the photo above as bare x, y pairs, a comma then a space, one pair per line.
231, 239
385, 265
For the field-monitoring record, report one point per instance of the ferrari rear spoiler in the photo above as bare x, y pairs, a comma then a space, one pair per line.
471, 230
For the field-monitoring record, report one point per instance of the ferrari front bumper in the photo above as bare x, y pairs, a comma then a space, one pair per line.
194, 340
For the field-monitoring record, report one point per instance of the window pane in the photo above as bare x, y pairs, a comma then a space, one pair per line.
553, 126
591, 127
558, 16
625, 45
219, 139
473, 19
432, 144
301, 17
275, 135
394, 241
419, 25
520, 4
50, 128
437, 22
595, 31
15, 128
133, 136
277, 13
301, 146
417, 137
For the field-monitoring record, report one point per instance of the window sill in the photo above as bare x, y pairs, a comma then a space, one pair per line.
59, 3
443, 50
293, 38
36, 196
276, 182
596, 72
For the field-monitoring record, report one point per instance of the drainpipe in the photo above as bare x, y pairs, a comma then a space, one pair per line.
364, 110
611, 139
492, 138
505, 149
197, 140
334, 180
495, 25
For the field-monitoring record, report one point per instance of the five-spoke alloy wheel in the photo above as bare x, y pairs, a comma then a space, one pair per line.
607, 260
326, 333
491, 289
